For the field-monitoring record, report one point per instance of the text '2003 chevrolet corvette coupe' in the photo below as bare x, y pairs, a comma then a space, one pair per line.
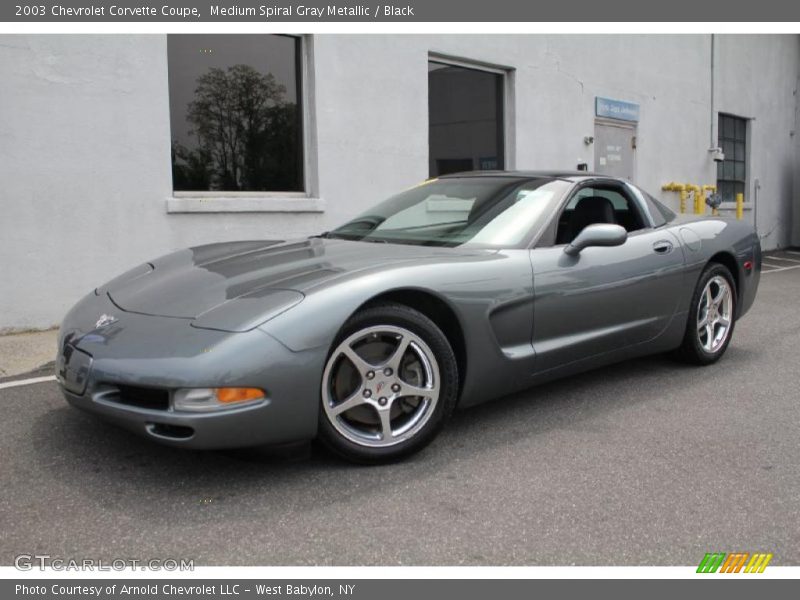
460, 290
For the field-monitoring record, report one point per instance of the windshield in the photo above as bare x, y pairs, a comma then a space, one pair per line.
495, 212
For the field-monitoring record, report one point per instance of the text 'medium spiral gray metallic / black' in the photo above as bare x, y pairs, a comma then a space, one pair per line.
460, 290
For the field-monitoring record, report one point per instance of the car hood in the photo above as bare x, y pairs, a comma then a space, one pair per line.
252, 281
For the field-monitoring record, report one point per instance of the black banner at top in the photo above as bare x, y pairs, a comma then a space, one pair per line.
397, 11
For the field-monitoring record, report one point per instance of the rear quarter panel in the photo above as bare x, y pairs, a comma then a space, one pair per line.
704, 239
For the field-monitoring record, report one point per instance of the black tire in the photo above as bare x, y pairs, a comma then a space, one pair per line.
692, 350
401, 316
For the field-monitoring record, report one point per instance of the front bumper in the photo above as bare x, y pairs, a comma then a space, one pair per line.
161, 353
238, 427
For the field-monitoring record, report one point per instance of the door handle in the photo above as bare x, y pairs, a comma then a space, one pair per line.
662, 247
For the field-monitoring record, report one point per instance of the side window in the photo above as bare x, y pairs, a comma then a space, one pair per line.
598, 204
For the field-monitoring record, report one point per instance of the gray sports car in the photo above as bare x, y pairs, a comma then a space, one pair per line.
460, 290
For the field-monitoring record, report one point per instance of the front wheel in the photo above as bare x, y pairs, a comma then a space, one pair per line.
389, 384
711, 317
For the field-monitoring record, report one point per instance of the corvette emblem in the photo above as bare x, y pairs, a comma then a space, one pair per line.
105, 320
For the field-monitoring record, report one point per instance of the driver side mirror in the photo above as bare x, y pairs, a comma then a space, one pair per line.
599, 234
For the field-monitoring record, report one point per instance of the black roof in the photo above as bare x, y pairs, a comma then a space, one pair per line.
554, 174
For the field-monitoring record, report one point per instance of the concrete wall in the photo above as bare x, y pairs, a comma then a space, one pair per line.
84, 138
756, 77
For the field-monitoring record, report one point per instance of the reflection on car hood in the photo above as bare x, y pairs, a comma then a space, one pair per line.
191, 282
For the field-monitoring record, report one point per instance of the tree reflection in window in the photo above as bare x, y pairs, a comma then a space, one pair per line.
240, 132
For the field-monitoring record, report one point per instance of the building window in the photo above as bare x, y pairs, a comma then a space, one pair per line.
465, 119
732, 172
235, 113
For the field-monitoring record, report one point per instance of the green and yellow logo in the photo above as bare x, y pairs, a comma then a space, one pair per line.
714, 562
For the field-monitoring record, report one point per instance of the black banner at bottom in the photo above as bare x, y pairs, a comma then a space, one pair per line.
395, 589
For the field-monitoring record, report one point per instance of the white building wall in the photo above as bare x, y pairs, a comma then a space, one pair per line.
84, 138
757, 78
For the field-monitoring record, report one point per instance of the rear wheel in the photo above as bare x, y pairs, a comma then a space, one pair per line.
711, 317
389, 384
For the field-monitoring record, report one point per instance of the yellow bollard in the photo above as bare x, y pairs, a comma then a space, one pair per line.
682, 197
739, 206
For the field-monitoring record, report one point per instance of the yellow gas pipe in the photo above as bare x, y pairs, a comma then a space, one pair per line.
681, 189
697, 192
698, 195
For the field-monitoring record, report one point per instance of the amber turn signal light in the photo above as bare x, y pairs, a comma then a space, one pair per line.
209, 399
229, 395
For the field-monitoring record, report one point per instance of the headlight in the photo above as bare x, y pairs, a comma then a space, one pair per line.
210, 399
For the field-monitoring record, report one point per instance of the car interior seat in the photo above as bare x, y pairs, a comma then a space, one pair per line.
588, 211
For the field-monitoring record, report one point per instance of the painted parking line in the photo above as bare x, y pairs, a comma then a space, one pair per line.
774, 257
775, 270
764, 263
21, 382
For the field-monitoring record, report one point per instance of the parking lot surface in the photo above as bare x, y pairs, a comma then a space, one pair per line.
649, 462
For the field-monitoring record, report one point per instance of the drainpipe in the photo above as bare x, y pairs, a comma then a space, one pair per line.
712, 139
713, 147
756, 190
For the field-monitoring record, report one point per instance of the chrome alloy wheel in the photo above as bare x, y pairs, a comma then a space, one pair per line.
714, 314
380, 386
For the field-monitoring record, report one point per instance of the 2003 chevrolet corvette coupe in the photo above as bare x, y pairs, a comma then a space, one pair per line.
460, 290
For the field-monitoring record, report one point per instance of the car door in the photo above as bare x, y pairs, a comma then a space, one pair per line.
605, 298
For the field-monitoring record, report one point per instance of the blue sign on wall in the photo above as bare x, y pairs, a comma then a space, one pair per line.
616, 109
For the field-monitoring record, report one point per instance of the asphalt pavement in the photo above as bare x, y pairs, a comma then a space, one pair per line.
649, 462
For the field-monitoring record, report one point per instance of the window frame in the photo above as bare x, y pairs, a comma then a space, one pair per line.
549, 235
306, 201
507, 103
745, 162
